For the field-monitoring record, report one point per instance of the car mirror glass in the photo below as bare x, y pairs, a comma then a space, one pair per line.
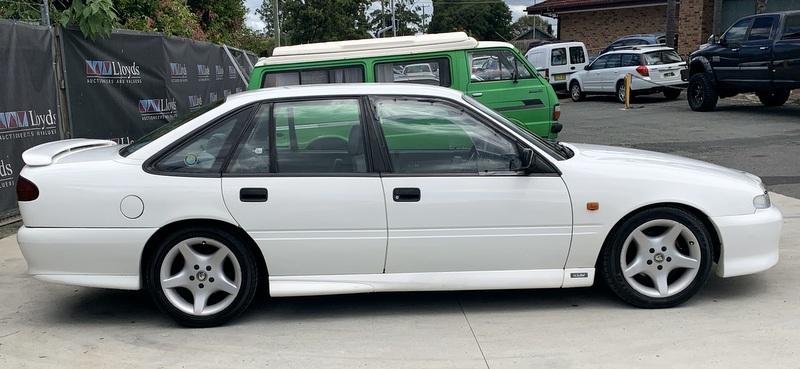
523, 162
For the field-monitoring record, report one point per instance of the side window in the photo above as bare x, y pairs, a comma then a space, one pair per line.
318, 136
738, 31
426, 136
576, 55
206, 152
558, 56
631, 60
600, 63
791, 27
353, 74
253, 153
761, 29
614, 61
430, 72
496, 65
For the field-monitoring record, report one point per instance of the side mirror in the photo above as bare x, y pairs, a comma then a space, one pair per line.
712, 39
587, 67
524, 162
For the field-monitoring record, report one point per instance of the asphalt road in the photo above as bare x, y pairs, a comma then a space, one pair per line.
740, 134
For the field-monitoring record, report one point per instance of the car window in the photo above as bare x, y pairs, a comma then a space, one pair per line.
558, 56
430, 72
761, 29
496, 65
576, 55
600, 63
352, 74
424, 136
631, 60
614, 61
253, 154
791, 27
738, 31
662, 57
205, 152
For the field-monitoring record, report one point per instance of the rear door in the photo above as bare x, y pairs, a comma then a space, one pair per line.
755, 55
299, 183
503, 82
787, 53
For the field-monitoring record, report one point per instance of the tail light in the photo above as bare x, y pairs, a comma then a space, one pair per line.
643, 70
556, 112
26, 190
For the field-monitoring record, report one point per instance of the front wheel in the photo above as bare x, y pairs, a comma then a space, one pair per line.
658, 258
575, 92
701, 94
201, 277
773, 97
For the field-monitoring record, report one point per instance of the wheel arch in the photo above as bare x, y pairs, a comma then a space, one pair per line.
154, 240
700, 65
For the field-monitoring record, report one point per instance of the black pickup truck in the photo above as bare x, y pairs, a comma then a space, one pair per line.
759, 53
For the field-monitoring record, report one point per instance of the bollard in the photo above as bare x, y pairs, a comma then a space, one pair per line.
628, 90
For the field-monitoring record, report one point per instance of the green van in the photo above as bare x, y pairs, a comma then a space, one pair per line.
494, 73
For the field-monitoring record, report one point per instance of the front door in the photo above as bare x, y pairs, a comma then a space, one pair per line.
503, 82
452, 201
299, 183
755, 54
725, 61
592, 78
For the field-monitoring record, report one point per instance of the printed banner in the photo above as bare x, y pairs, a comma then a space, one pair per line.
28, 103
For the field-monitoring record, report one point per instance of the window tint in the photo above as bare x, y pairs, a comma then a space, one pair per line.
352, 74
576, 55
738, 31
496, 65
426, 136
253, 153
321, 136
662, 57
614, 61
791, 28
761, 29
204, 153
600, 63
558, 56
631, 60
430, 72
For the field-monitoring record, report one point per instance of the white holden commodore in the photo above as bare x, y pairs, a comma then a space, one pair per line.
336, 189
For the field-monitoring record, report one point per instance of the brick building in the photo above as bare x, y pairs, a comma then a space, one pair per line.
599, 22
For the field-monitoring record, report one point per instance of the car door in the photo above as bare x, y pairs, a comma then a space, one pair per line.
504, 83
787, 53
452, 201
592, 78
755, 54
300, 184
610, 74
725, 61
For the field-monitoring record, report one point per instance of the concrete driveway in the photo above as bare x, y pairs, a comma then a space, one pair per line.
743, 322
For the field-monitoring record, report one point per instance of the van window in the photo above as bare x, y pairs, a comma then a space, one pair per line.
576, 55
429, 72
496, 65
558, 56
350, 74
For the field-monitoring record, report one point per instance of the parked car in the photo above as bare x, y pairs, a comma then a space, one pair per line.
636, 40
494, 73
556, 61
353, 188
656, 69
758, 54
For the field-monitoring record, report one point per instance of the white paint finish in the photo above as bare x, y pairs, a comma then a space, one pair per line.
578, 277
47, 153
101, 251
314, 225
605, 80
117, 282
478, 223
749, 242
541, 57
131, 206
398, 282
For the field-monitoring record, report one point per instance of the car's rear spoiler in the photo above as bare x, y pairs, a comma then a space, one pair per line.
47, 153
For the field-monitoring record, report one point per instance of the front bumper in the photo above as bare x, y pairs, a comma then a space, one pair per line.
749, 242
91, 257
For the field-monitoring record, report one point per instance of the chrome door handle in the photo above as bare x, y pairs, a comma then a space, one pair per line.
763, 48
735, 50
477, 94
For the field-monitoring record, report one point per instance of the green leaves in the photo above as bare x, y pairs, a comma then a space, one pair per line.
484, 20
95, 18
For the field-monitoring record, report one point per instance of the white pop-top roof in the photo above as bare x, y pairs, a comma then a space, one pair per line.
374, 47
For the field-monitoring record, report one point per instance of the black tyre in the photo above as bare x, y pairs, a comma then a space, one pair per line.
575, 92
701, 94
202, 277
672, 93
773, 97
658, 258
621, 92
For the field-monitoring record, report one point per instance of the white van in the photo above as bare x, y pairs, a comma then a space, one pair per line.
556, 61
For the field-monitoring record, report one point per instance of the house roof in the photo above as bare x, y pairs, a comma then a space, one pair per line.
563, 6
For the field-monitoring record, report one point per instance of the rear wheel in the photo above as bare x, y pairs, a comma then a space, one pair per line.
658, 258
202, 278
773, 97
672, 93
701, 94
575, 92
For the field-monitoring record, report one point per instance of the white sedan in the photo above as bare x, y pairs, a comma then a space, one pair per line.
334, 189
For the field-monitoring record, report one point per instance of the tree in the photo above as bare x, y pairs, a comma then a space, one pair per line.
308, 21
524, 23
408, 16
95, 18
219, 19
267, 14
485, 20
172, 17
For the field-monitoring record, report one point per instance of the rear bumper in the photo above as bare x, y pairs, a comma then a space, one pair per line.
749, 242
92, 257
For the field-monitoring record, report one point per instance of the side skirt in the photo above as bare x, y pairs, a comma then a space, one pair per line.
282, 286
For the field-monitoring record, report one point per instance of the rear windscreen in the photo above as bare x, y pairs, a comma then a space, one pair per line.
662, 57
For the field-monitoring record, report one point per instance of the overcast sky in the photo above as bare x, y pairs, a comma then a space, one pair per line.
517, 10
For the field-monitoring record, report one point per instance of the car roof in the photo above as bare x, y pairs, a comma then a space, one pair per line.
342, 89
376, 47
641, 35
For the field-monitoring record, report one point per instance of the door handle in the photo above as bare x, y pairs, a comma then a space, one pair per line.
763, 48
253, 195
407, 194
477, 94
572, 68
735, 50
